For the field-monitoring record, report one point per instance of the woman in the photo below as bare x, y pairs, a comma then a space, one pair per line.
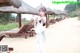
40, 29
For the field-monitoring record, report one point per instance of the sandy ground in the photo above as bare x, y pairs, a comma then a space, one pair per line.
62, 37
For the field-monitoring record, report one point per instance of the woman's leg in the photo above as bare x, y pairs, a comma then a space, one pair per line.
44, 37
40, 43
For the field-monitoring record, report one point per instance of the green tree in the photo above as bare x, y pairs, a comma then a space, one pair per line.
4, 18
78, 3
70, 8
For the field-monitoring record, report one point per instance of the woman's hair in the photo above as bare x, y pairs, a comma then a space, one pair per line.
43, 9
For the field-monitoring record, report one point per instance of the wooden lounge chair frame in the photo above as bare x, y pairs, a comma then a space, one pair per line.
23, 31
52, 21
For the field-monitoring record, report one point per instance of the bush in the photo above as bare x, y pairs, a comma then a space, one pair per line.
8, 26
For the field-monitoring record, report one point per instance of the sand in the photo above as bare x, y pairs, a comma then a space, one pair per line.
62, 37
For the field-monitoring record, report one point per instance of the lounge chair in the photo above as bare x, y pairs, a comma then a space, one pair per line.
1, 37
22, 31
52, 21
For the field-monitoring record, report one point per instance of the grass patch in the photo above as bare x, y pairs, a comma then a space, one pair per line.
8, 26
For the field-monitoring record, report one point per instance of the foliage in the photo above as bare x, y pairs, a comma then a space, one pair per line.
79, 3
8, 26
6, 18
70, 8
73, 14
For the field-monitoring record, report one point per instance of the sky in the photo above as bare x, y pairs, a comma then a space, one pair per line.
47, 3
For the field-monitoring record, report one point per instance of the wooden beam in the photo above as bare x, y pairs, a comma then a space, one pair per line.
54, 16
47, 20
19, 19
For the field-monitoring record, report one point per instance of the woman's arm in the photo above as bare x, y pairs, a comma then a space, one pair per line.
35, 22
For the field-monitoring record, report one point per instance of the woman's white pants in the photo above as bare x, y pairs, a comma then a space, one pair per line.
40, 42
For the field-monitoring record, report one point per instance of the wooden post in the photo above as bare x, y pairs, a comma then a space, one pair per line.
54, 16
47, 21
19, 19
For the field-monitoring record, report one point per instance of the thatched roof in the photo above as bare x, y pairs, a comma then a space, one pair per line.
63, 13
15, 3
24, 9
4, 3
77, 12
49, 11
58, 12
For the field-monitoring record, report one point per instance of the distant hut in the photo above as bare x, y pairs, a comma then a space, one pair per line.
60, 14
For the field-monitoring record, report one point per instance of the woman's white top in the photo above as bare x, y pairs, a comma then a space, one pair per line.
39, 27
